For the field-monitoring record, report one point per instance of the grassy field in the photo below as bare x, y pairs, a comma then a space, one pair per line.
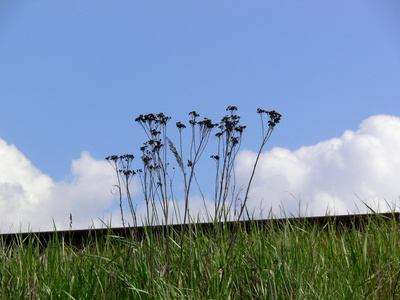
292, 261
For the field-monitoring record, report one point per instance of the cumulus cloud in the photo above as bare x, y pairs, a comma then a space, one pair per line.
31, 200
333, 176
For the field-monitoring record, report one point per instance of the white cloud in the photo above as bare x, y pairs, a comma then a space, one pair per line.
31, 200
326, 178
330, 176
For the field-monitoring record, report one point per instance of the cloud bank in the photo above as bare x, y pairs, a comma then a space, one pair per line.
31, 200
332, 177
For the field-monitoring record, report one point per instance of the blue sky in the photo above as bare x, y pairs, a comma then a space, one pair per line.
75, 74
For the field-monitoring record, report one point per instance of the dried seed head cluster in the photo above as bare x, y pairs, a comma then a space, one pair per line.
204, 126
122, 163
125, 157
230, 123
230, 130
112, 157
154, 125
152, 118
180, 126
231, 108
154, 175
151, 122
273, 115
147, 155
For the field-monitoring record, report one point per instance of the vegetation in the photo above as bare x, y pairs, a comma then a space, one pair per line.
158, 181
290, 261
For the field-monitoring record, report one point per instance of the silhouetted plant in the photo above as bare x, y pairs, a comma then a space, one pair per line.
123, 168
157, 183
114, 161
274, 119
155, 178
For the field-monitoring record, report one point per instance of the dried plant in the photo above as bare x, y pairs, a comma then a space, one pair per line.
157, 182
123, 167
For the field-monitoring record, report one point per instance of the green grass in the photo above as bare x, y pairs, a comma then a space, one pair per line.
294, 261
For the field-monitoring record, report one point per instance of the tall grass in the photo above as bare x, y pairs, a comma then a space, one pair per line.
291, 260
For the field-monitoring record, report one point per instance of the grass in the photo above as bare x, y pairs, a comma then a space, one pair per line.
295, 260
290, 261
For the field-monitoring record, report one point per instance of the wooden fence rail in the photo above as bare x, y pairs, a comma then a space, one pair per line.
79, 237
